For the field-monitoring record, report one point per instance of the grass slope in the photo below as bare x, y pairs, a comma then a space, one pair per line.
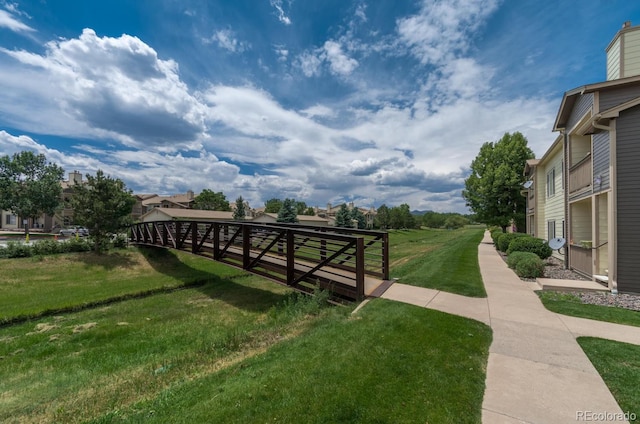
391, 363
438, 259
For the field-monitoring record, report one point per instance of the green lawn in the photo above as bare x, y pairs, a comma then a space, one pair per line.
48, 284
439, 259
570, 304
619, 365
227, 347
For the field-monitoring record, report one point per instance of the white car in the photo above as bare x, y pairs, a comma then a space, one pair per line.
72, 231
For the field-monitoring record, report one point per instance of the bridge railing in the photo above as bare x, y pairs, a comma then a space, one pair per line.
299, 256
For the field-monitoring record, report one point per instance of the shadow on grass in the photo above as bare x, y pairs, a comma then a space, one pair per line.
234, 289
107, 260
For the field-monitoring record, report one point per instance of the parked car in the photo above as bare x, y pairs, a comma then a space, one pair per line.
72, 231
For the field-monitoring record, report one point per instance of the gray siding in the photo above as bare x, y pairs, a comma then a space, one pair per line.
628, 187
601, 161
615, 96
582, 105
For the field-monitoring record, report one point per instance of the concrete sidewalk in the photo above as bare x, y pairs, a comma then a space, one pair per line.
537, 372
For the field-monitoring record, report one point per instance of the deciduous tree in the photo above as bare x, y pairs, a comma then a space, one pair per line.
103, 205
29, 186
272, 205
211, 201
492, 190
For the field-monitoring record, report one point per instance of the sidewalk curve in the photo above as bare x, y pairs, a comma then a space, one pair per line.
536, 372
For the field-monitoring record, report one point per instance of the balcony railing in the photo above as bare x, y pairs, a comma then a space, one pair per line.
580, 259
580, 175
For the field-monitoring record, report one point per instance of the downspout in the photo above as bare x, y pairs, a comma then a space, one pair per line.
613, 215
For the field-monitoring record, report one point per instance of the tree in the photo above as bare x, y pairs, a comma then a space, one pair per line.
211, 201
103, 205
272, 205
29, 186
301, 207
240, 212
359, 217
383, 218
492, 191
309, 211
343, 217
433, 219
287, 212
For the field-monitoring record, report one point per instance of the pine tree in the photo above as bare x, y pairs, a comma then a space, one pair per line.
288, 211
240, 212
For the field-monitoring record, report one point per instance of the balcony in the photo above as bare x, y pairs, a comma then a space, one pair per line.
580, 175
580, 259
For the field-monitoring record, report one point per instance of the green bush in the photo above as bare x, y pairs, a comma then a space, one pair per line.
530, 244
18, 250
45, 247
514, 258
495, 234
530, 267
506, 238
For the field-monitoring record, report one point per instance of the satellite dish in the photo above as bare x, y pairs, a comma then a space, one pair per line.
528, 184
557, 243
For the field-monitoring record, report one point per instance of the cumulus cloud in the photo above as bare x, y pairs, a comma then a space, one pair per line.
114, 87
339, 62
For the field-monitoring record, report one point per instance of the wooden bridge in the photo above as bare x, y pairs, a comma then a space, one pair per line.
350, 263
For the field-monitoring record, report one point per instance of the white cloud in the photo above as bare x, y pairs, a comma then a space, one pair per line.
310, 63
109, 87
7, 20
441, 30
339, 62
282, 16
226, 39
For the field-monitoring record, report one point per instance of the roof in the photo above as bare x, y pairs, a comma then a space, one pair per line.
175, 213
570, 97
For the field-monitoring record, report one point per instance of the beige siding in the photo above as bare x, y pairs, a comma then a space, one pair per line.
631, 54
613, 61
580, 148
581, 221
602, 265
554, 205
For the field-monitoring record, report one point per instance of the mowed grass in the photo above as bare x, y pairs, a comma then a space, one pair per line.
438, 259
389, 363
227, 347
619, 365
34, 286
570, 304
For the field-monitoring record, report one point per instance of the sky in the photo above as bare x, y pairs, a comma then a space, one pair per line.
324, 101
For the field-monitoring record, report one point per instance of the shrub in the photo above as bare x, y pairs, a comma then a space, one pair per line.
18, 250
506, 238
495, 234
45, 247
120, 241
530, 244
514, 258
530, 267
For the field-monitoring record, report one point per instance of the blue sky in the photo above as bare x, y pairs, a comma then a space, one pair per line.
319, 100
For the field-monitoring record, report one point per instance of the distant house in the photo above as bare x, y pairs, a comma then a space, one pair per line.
545, 215
302, 219
330, 213
169, 214
600, 129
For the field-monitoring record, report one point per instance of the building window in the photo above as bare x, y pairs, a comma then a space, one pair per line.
10, 220
551, 183
551, 230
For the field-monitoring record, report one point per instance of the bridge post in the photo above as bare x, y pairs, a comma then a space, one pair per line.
216, 241
385, 256
165, 236
246, 246
359, 268
194, 237
291, 260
